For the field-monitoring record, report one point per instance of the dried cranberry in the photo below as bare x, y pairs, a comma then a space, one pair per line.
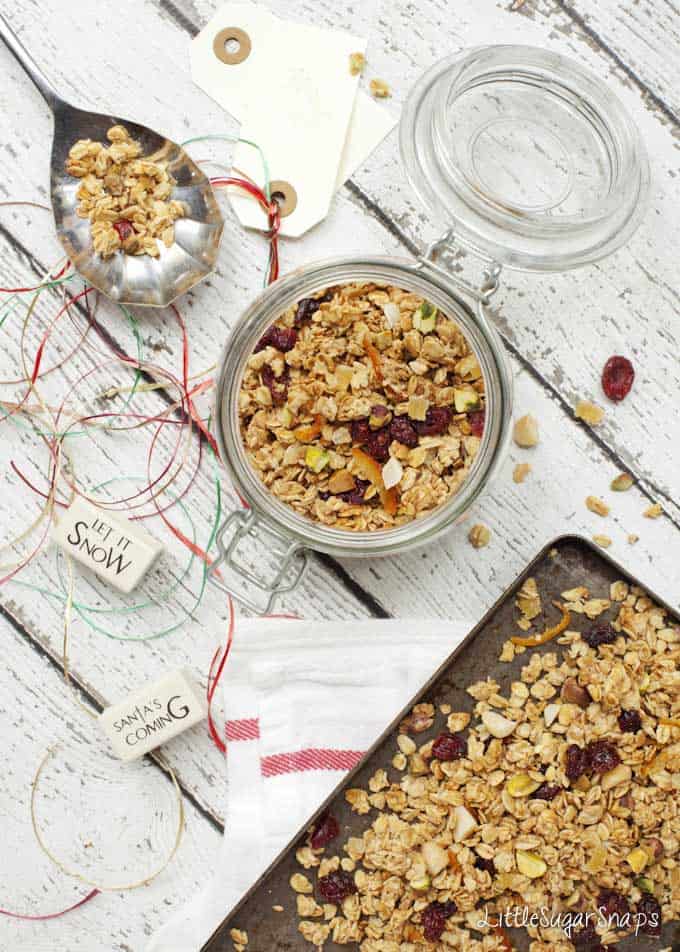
433, 919
278, 386
356, 496
487, 865
547, 791
477, 419
360, 431
599, 635
630, 722
403, 430
124, 227
617, 377
449, 747
337, 886
436, 421
612, 903
649, 915
378, 444
602, 756
308, 307
576, 762
282, 338
325, 830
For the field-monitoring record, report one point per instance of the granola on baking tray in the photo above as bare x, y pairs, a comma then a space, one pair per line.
562, 794
362, 408
125, 195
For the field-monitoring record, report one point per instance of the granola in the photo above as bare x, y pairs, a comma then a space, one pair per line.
125, 196
362, 408
564, 793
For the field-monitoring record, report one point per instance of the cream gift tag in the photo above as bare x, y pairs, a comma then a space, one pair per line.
119, 551
153, 715
290, 87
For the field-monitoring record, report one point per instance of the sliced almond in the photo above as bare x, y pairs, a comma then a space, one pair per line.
341, 481
530, 864
497, 725
620, 774
573, 693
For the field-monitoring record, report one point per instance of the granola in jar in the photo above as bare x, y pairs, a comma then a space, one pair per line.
363, 407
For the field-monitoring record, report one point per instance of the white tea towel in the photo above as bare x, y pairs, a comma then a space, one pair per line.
303, 701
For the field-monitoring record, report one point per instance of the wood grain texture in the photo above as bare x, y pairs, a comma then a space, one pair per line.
559, 330
36, 714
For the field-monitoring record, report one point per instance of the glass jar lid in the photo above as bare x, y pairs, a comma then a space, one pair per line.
526, 156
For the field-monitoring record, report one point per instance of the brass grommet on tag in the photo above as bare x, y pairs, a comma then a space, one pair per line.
232, 45
284, 195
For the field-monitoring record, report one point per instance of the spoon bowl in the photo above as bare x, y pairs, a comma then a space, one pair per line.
127, 279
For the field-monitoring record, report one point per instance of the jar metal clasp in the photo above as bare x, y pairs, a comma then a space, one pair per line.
291, 558
446, 250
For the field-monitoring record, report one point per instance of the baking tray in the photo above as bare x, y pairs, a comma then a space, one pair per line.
563, 564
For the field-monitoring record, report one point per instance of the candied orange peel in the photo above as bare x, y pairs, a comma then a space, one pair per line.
305, 434
371, 470
534, 640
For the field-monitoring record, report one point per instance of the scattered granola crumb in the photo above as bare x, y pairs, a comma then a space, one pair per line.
277, 908
357, 61
479, 536
597, 506
602, 540
300, 884
528, 599
653, 512
632, 539
525, 432
520, 472
379, 89
622, 483
239, 938
589, 412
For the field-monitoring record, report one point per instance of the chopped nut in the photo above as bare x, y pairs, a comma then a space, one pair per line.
357, 61
379, 88
597, 506
479, 536
622, 483
418, 407
525, 432
573, 693
436, 859
465, 823
653, 512
632, 539
589, 412
520, 472
602, 540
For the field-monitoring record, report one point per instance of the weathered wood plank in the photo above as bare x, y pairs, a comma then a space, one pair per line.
37, 714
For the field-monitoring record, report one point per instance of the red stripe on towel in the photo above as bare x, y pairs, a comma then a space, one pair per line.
310, 759
247, 728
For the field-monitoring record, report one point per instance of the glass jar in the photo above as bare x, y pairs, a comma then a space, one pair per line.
528, 162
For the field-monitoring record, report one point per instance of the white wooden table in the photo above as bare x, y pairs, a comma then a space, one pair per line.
132, 57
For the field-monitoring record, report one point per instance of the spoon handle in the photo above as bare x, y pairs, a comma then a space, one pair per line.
24, 57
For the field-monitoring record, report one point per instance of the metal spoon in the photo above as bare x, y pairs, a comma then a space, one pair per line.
128, 279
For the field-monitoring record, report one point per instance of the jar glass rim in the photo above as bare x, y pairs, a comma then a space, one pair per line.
309, 280
515, 235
